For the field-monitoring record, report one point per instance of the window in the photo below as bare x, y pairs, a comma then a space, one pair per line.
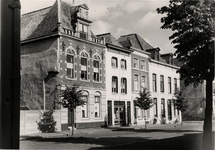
114, 84
155, 107
84, 68
135, 82
83, 31
96, 70
84, 109
162, 83
169, 84
175, 84
114, 62
97, 106
123, 85
154, 83
142, 65
169, 104
163, 108
123, 63
135, 63
70, 65
143, 82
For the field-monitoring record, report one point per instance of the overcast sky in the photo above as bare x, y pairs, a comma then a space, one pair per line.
120, 17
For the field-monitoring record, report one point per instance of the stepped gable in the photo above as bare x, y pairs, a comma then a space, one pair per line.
110, 39
135, 41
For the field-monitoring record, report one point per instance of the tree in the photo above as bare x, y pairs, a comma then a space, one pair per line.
71, 99
192, 23
181, 102
144, 101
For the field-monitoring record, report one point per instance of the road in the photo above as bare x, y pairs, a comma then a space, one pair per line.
159, 137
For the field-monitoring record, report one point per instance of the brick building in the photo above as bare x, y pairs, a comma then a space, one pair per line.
58, 49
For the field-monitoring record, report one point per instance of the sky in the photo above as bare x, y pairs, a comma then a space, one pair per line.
120, 17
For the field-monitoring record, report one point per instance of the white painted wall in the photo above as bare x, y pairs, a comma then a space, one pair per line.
167, 71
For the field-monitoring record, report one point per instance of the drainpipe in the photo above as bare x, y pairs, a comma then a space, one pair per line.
10, 74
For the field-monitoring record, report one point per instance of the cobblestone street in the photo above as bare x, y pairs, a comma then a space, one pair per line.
162, 137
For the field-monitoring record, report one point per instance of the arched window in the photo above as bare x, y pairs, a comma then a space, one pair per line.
84, 66
71, 63
114, 62
84, 108
114, 84
96, 68
124, 85
97, 105
123, 64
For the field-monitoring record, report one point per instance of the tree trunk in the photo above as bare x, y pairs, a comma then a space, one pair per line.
73, 122
207, 128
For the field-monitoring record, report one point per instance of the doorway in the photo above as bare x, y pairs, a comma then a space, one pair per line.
119, 113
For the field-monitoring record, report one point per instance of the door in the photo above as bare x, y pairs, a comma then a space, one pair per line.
119, 115
109, 113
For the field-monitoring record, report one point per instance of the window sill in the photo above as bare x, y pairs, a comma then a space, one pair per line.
114, 67
97, 81
114, 93
85, 118
98, 118
85, 80
123, 93
68, 78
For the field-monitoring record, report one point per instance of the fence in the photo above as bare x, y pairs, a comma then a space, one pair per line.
28, 120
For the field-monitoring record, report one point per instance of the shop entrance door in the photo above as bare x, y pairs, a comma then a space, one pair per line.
119, 113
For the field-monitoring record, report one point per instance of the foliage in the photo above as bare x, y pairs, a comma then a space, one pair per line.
193, 25
144, 100
181, 102
46, 123
71, 98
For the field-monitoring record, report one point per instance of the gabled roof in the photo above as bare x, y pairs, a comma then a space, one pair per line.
109, 39
45, 21
37, 23
135, 41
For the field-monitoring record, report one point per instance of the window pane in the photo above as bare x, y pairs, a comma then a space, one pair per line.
96, 64
84, 61
135, 82
142, 66
69, 58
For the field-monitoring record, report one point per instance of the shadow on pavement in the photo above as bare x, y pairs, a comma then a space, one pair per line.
185, 142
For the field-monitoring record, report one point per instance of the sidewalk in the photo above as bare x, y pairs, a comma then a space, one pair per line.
82, 132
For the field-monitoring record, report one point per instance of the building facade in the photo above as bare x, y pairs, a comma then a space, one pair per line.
57, 53
58, 49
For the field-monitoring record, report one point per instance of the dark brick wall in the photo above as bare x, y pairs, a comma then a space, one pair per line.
88, 47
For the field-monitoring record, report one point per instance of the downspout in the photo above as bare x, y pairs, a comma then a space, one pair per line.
16, 72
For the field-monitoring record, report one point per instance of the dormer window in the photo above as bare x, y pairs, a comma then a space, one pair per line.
83, 30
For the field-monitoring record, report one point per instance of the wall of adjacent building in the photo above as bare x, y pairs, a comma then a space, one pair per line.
37, 58
167, 71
